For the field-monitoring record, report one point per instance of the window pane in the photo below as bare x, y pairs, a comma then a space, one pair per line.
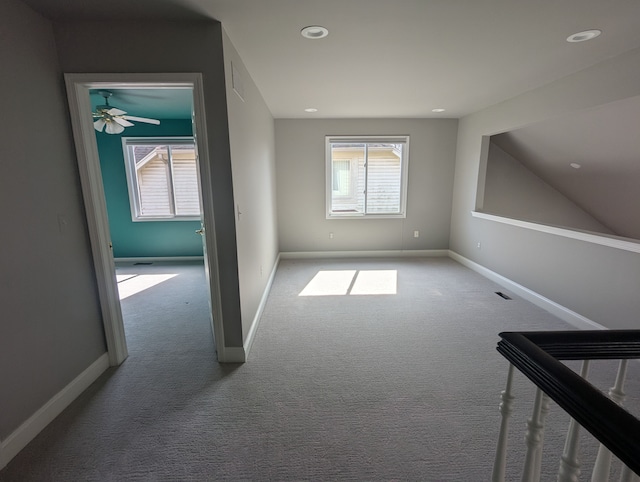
341, 177
154, 186
163, 178
366, 176
185, 180
384, 178
347, 193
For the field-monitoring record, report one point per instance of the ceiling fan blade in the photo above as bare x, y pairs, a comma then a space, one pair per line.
114, 128
123, 122
99, 125
115, 111
141, 119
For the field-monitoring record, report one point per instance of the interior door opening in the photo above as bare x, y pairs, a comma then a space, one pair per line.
130, 117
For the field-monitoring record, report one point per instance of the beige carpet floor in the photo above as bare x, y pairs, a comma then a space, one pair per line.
392, 375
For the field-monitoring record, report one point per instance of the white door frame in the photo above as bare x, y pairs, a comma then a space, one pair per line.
78, 86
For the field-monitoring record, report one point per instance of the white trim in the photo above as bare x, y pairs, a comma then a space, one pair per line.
158, 259
26, 432
565, 314
248, 343
209, 244
364, 139
131, 171
234, 354
78, 86
625, 244
97, 220
416, 253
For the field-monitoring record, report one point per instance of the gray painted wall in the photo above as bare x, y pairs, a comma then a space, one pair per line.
51, 328
178, 49
251, 135
598, 282
300, 171
513, 191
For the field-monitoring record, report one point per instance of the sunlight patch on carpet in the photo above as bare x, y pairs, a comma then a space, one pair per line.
124, 277
376, 282
327, 283
352, 282
140, 283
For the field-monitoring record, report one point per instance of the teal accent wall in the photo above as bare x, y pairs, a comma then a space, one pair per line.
148, 238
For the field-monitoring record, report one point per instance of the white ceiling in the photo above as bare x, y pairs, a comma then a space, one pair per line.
395, 58
403, 58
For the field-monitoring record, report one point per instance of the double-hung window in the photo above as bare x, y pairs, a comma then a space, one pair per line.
366, 176
162, 175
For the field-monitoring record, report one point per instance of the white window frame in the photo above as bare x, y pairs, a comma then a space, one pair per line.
132, 179
404, 169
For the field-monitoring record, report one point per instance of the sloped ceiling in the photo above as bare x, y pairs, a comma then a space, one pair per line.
605, 142
394, 58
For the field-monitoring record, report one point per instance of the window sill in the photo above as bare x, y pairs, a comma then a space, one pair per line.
366, 216
624, 244
177, 218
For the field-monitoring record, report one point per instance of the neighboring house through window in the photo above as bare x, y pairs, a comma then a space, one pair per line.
162, 175
366, 176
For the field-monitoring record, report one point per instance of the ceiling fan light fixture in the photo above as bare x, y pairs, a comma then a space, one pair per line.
99, 125
114, 120
113, 128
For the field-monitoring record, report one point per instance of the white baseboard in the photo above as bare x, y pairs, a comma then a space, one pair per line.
26, 432
416, 253
158, 259
248, 342
233, 354
565, 314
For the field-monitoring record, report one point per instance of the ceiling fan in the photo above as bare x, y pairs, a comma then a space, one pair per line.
113, 120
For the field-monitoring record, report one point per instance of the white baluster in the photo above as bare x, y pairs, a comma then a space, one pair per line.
569, 463
544, 411
500, 463
627, 475
533, 439
603, 460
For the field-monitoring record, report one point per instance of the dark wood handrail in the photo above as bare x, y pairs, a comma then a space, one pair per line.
537, 355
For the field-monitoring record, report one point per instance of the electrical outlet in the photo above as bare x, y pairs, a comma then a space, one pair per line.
330, 235
479, 245
416, 234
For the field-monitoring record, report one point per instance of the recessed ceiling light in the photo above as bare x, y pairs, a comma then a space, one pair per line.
437, 110
575, 165
583, 36
314, 32
311, 109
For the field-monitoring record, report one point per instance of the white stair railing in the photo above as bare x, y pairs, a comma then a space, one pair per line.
500, 463
537, 355
569, 463
628, 475
535, 437
544, 411
602, 466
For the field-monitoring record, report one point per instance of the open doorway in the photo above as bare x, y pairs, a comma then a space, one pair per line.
79, 89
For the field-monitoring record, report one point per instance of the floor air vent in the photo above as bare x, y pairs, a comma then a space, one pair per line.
145, 263
502, 295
